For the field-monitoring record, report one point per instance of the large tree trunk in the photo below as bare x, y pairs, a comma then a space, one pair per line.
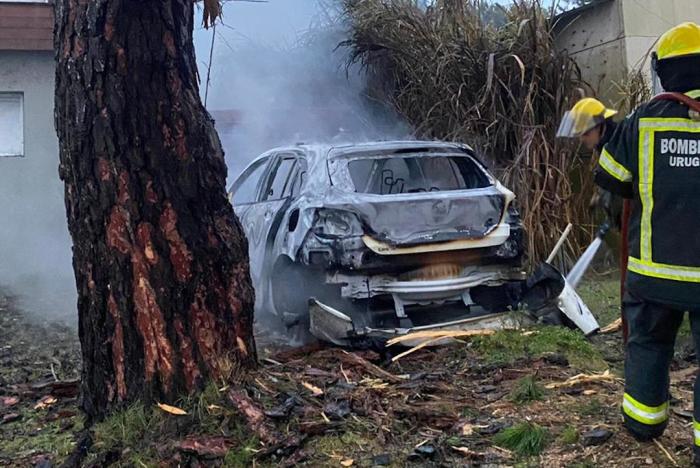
161, 264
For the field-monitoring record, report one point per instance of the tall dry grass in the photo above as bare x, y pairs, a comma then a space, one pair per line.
501, 90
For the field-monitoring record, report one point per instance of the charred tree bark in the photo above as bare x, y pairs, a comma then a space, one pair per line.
161, 263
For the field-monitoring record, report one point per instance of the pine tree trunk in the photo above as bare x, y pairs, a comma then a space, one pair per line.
161, 263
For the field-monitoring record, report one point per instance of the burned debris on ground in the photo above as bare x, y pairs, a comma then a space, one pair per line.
545, 396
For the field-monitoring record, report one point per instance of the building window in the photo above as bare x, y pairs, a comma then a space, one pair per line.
11, 124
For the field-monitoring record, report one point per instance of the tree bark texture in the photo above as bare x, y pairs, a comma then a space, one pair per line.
161, 262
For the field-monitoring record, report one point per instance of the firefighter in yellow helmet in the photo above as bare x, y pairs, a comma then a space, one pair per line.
654, 159
589, 121
593, 124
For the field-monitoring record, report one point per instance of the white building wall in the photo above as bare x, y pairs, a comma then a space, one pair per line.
646, 20
595, 39
612, 38
35, 250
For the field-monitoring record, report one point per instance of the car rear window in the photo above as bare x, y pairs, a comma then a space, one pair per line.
394, 174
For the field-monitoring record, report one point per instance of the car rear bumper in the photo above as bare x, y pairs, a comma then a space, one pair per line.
332, 325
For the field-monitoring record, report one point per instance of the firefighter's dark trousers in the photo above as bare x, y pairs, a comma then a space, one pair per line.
652, 335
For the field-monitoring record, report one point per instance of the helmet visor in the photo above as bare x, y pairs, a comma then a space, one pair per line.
575, 124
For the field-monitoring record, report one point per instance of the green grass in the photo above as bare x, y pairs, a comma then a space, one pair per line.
240, 457
526, 390
126, 428
46, 437
525, 439
569, 435
506, 346
142, 429
593, 407
602, 296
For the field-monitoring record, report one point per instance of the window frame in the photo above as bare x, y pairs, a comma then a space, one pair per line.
346, 182
245, 175
273, 166
23, 152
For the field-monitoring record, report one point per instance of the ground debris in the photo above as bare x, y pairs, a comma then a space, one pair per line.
383, 459
428, 338
45, 402
612, 327
174, 410
283, 410
60, 389
6, 402
10, 417
585, 378
213, 447
449, 400
596, 437
254, 416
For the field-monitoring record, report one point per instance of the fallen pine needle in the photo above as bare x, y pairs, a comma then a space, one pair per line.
612, 327
584, 378
172, 409
501, 449
342, 371
263, 386
313, 389
422, 443
325, 418
465, 451
668, 455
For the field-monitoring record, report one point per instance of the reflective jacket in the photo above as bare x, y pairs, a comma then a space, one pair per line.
654, 158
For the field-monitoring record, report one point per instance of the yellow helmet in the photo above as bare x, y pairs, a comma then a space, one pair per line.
584, 116
679, 41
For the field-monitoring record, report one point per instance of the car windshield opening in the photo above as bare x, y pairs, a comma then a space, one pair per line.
395, 174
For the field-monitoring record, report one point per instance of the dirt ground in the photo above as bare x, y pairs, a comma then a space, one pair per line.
481, 402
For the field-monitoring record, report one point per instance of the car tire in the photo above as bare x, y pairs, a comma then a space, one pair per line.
290, 286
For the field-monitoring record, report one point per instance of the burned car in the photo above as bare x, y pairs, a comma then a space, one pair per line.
365, 241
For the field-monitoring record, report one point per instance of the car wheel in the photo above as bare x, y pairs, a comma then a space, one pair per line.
290, 286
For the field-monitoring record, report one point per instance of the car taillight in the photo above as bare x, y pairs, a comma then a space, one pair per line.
336, 223
512, 214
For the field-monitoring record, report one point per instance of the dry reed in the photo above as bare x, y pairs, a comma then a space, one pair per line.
502, 90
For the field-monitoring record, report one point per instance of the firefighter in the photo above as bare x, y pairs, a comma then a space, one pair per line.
592, 123
589, 121
654, 159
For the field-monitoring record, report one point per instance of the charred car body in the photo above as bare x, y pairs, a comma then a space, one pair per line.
357, 242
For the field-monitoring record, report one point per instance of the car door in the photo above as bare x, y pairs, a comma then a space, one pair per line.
274, 198
245, 195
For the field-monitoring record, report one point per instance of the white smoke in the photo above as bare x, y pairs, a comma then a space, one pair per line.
278, 73
279, 78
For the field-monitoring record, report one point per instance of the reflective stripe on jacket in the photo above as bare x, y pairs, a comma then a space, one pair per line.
655, 155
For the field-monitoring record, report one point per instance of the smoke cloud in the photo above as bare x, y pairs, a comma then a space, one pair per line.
35, 253
279, 78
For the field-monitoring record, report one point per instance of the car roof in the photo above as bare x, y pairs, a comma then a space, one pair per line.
319, 150
316, 154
